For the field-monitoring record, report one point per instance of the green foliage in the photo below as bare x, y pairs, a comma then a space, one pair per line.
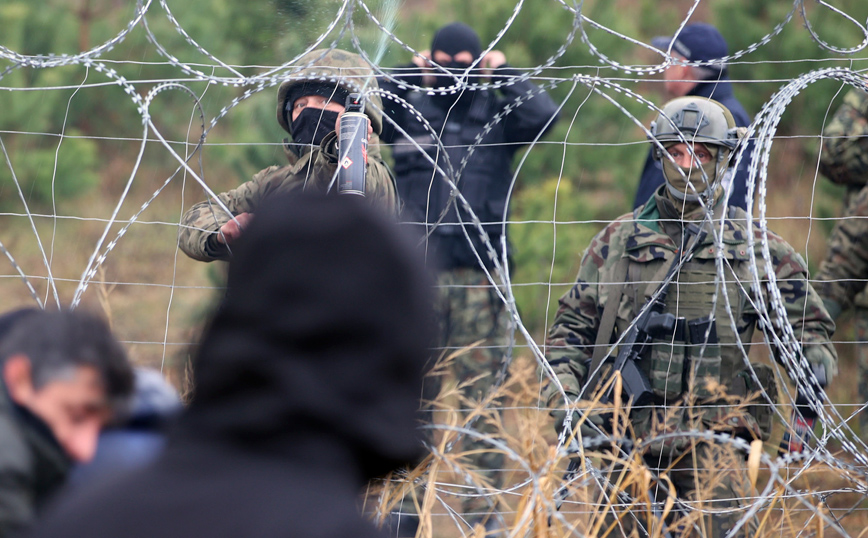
46, 168
587, 165
46, 174
745, 23
548, 247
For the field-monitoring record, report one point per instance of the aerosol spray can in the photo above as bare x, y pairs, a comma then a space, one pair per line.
353, 147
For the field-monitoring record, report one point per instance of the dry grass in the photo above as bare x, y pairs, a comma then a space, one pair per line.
614, 491
157, 299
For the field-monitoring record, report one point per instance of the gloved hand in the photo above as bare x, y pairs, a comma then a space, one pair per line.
590, 426
802, 398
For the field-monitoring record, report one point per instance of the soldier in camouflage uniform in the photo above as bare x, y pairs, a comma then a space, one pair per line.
686, 374
843, 273
309, 105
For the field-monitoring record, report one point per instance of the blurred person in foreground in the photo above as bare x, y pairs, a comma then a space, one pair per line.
309, 107
699, 42
307, 385
480, 130
844, 272
698, 378
138, 434
63, 378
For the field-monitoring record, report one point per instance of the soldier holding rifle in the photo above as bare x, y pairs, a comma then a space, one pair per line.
649, 282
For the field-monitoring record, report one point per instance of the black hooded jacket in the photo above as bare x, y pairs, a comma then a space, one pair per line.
481, 133
307, 380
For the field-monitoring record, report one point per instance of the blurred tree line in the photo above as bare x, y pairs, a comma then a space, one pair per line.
62, 142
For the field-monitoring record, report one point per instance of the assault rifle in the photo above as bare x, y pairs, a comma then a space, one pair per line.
651, 323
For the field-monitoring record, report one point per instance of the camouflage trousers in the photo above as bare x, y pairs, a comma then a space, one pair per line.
709, 481
470, 311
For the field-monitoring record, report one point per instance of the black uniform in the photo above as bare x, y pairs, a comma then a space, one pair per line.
484, 178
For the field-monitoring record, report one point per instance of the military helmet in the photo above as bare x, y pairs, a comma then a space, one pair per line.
697, 120
335, 67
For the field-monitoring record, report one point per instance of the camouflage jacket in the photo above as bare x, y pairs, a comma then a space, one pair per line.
309, 168
647, 243
844, 158
313, 170
844, 271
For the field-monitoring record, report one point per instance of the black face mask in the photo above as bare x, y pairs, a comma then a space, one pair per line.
456, 69
312, 125
462, 99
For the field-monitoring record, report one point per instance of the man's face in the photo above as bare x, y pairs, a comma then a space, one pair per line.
680, 152
315, 101
74, 406
678, 79
464, 57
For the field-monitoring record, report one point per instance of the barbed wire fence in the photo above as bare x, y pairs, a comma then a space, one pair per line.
62, 272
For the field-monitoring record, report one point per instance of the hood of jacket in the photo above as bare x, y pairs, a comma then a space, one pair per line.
323, 334
346, 69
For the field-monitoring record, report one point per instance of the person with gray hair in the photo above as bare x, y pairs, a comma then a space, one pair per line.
62, 377
699, 42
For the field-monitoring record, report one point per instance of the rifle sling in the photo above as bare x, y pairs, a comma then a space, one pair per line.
607, 324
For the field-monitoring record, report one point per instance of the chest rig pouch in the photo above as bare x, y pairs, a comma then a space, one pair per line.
684, 357
688, 358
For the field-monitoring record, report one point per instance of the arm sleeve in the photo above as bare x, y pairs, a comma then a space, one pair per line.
738, 197
811, 323
531, 115
844, 271
201, 223
844, 158
571, 339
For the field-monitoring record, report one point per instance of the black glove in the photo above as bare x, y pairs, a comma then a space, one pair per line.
803, 398
591, 425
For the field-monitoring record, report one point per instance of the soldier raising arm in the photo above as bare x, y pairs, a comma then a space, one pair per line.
309, 107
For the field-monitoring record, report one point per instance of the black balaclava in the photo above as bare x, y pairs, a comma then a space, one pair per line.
452, 39
322, 335
312, 124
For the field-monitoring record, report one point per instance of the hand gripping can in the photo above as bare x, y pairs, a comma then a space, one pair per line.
353, 147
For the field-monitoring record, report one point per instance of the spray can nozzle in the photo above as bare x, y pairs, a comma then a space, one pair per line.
355, 103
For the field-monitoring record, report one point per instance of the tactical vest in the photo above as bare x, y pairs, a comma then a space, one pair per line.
483, 179
690, 297
691, 370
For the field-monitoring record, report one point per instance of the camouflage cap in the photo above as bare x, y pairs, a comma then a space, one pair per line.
345, 69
